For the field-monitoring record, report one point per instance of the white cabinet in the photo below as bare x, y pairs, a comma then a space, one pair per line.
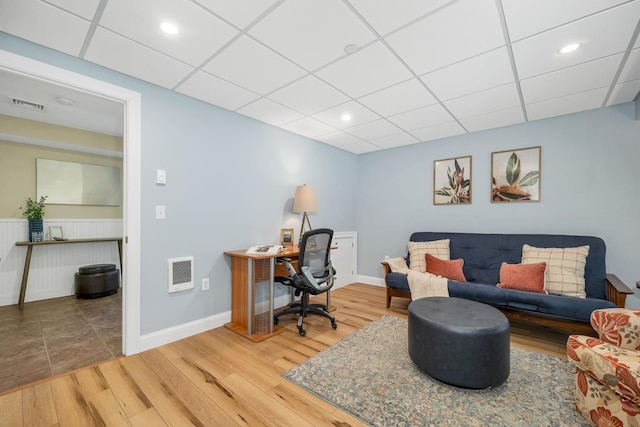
344, 257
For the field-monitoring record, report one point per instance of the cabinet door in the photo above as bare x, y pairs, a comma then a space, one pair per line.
343, 258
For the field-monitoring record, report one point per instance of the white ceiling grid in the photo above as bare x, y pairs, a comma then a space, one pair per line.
422, 71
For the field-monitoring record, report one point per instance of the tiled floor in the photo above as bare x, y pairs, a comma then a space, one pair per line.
54, 336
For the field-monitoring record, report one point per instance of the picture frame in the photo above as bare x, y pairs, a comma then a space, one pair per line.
56, 232
452, 181
515, 175
286, 237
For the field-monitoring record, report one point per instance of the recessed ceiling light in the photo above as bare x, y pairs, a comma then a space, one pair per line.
571, 47
351, 49
169, 28
64, 101
346, 117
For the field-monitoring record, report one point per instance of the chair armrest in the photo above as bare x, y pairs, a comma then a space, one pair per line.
618, 369
617, 291
618, 326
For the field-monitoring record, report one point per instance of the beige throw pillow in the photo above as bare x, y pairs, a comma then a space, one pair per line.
417, 250
565, 268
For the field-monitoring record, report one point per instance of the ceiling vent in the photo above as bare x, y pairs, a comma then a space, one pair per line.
27, 104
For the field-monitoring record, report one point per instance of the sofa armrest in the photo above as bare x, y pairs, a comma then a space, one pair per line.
386, 268
618, 326
617, 291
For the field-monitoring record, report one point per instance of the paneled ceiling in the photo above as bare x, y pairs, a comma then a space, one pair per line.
403, 71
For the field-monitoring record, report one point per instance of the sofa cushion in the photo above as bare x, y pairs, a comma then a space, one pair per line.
451, 269
417, 250
565, 268
523, 277
552, 305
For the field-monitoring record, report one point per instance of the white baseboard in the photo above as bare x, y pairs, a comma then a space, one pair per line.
370, 280
175, 333
36, 296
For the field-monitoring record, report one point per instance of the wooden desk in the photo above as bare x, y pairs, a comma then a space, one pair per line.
30, 245
251, 277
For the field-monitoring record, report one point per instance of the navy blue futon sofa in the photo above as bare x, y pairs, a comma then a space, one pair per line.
483, 255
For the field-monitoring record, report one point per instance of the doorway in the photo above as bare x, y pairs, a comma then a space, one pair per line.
131, 172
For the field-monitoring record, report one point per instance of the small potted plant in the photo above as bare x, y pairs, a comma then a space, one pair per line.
34, 212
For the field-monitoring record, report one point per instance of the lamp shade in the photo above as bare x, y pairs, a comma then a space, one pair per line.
305, 200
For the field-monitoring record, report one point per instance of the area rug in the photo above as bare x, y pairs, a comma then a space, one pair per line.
370, 375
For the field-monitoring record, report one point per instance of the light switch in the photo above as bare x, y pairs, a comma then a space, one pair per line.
161, 176
160, 212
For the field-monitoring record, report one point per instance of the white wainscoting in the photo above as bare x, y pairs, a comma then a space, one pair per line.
53, 267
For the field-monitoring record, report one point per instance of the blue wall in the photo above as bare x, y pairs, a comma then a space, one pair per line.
590, 185
230, 185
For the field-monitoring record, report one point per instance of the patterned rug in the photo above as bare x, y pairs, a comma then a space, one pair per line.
370, 375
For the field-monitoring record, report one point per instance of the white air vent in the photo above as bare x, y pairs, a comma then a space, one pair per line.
27, 104
180, 274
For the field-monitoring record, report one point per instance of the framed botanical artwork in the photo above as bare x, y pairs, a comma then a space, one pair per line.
286, 236
515, 175
452, 181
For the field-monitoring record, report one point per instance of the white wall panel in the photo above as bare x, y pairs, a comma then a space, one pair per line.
52, 269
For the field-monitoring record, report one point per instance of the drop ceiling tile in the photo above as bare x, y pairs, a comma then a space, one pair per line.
538, 54
458, 31
495, 99
396, 140
361, 73
121, 54
399, 98
465, 77
216, 91
270, 112
624, 92
237, 64
312, 33
527, 17
84, 8
339, 139
41, 23
386, 16
375, 129
579, 78
421, 117
631, 70
201, 33
308, 127
361, 148
567, 104
309, 95
494, 119
440, 131
358, 113
239, 12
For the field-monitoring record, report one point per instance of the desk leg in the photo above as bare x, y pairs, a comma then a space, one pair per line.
25, 277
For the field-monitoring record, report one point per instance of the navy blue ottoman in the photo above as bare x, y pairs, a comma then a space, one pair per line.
459, 342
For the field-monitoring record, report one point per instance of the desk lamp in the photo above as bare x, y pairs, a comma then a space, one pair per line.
305, 201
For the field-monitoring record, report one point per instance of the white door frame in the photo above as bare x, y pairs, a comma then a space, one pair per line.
132, 153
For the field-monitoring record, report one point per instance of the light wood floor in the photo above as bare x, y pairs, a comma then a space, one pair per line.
217, 378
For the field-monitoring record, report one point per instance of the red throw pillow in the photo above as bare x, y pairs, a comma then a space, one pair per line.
523, 277
450, 269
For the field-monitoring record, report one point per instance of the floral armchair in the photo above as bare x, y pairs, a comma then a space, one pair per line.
608, 369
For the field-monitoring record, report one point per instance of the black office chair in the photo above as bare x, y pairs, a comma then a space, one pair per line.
315, 276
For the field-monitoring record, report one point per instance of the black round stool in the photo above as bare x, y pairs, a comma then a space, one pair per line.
98, 280
459, 342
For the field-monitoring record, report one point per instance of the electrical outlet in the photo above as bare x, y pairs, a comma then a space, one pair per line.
386, 257
205, 284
